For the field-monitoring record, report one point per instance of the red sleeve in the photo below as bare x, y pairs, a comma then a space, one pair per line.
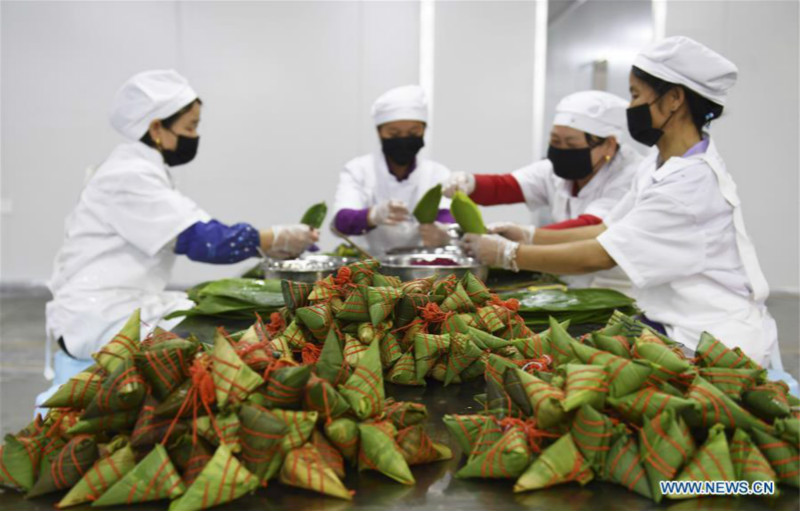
581, 221
493, 189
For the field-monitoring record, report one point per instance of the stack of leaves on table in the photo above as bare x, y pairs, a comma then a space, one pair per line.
592, 306
234, 298
624, 404
200, 425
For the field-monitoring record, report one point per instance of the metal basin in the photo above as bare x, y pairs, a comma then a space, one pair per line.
407, 267
310, 268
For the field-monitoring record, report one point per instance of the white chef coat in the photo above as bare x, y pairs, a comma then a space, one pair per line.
542, 187
118, 251
366, 181
679, 235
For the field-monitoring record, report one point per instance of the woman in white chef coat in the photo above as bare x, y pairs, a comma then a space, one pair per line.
130, 224
678, 234
587, 171
377, 192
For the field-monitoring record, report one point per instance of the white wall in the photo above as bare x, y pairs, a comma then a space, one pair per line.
758, 132
287, 88
611, 30
483, 89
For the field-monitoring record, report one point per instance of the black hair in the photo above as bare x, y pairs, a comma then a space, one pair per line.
702, 110
593, 140
168, 122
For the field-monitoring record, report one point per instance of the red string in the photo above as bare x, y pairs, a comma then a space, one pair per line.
244, 349
310, 353
202, 389
512, 304
432, 313
343, 277
417, 321
276, 324
532, 433
275, 365
202, 380
542, 363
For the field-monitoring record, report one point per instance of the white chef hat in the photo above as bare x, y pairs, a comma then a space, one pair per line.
592, 111
406, 103
148, 96
684, 61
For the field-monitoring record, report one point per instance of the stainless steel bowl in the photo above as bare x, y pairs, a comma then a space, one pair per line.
402, 265
309, 268
447, 251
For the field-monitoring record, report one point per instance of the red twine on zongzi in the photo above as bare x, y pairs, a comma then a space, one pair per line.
528, 427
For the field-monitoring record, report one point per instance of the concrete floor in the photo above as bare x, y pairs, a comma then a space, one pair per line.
21, 364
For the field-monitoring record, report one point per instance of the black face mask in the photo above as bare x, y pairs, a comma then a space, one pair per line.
571, 164
640, 124
184, 151
402, 150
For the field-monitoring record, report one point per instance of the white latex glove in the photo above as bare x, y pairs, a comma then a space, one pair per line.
391, 212
434, 235
458, 181
289, 241
522, 234
492, 249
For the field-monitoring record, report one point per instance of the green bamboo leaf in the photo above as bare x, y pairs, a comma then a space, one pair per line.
315, 215
467, 214
428, 206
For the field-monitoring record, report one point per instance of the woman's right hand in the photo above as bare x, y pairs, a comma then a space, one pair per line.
289, 241
458, 182
390, 212
522, 234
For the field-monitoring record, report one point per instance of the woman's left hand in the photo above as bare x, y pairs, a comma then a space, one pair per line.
290, 241
492, 250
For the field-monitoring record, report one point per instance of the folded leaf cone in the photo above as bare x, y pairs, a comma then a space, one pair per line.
505, 458
749, 462
284, 387
103, 474
260, 435
648, 402
465, 429
222, 480
624, 466
379, 451
714, 406
79, 390
666, 445
321, 397
123, 389
712, 462
305, 468
560, 463
122, 346
418, 448
233, 379
166, 365
364, 390
586, 384
343, 434
153, 478
65, 467
783, 456
592, 432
